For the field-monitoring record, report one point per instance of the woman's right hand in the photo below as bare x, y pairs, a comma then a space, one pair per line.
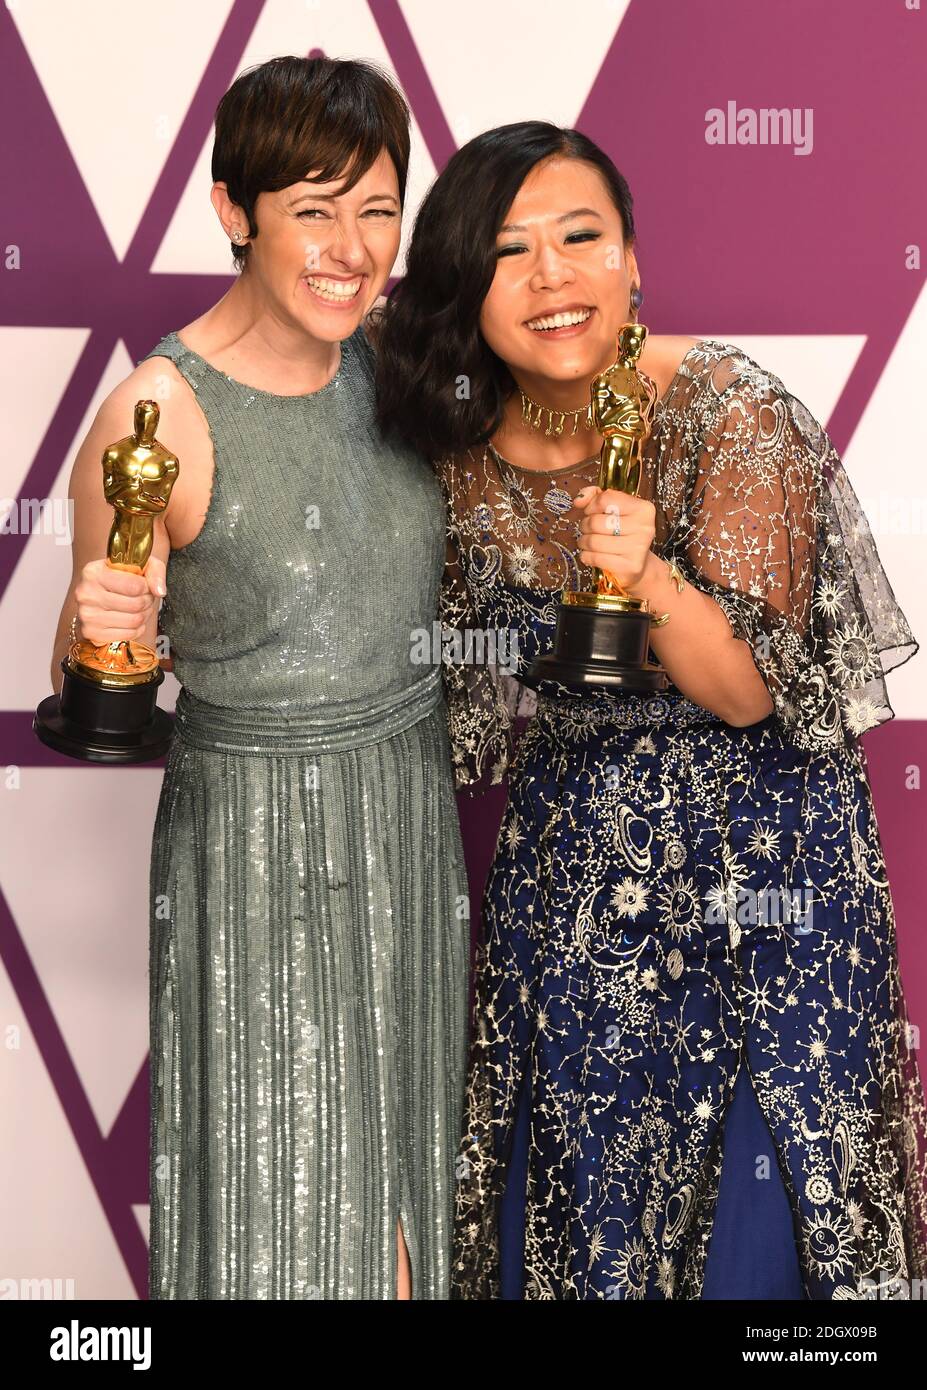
116, 605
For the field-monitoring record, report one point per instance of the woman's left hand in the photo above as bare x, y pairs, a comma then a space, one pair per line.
623, 556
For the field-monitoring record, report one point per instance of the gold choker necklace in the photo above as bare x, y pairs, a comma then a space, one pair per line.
534, 415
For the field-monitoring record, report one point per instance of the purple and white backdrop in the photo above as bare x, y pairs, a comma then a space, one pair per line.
800, 242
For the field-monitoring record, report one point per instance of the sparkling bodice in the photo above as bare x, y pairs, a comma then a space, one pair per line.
321, 552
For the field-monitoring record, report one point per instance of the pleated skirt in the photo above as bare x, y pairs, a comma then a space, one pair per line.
309, 952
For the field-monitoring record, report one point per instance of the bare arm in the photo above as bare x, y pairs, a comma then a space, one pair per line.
700, 654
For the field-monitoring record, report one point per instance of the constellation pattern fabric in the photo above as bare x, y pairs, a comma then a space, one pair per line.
672, 897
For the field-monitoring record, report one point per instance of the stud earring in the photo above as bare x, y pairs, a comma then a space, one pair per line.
637, 299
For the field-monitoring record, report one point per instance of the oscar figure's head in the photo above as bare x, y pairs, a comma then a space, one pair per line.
147, 415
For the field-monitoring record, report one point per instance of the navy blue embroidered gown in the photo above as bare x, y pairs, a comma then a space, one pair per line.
691, 1075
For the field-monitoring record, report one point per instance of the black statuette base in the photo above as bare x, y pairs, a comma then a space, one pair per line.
593, 647
101, 725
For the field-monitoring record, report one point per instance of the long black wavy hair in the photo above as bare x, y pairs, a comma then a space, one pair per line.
428, 335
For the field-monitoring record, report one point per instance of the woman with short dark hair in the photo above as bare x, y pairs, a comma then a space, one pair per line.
309, 933
689, 934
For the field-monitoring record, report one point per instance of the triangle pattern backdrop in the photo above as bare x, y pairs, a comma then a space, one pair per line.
108, 106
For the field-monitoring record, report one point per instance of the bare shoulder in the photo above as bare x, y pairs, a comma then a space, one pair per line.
662, 357
182, 428
156, 379
672, 349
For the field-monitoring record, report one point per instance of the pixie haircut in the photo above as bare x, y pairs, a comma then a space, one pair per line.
428, 335
289, 117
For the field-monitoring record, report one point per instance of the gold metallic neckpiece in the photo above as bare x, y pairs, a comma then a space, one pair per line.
535, 415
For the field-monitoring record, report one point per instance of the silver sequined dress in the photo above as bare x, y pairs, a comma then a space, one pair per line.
309, 933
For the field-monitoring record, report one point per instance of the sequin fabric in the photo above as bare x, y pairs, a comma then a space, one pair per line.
309, 937
672, 898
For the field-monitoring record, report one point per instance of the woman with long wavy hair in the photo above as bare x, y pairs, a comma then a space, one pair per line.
691, 1073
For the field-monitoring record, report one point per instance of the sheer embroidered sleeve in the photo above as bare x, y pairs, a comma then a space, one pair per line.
479, 722
773, 531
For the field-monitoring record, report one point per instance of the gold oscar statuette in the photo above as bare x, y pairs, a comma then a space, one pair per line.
602, 633
107, 710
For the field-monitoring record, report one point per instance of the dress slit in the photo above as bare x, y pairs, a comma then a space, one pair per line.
752, 1253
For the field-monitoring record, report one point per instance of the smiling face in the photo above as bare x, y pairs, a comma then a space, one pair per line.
563, 279
323, 256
